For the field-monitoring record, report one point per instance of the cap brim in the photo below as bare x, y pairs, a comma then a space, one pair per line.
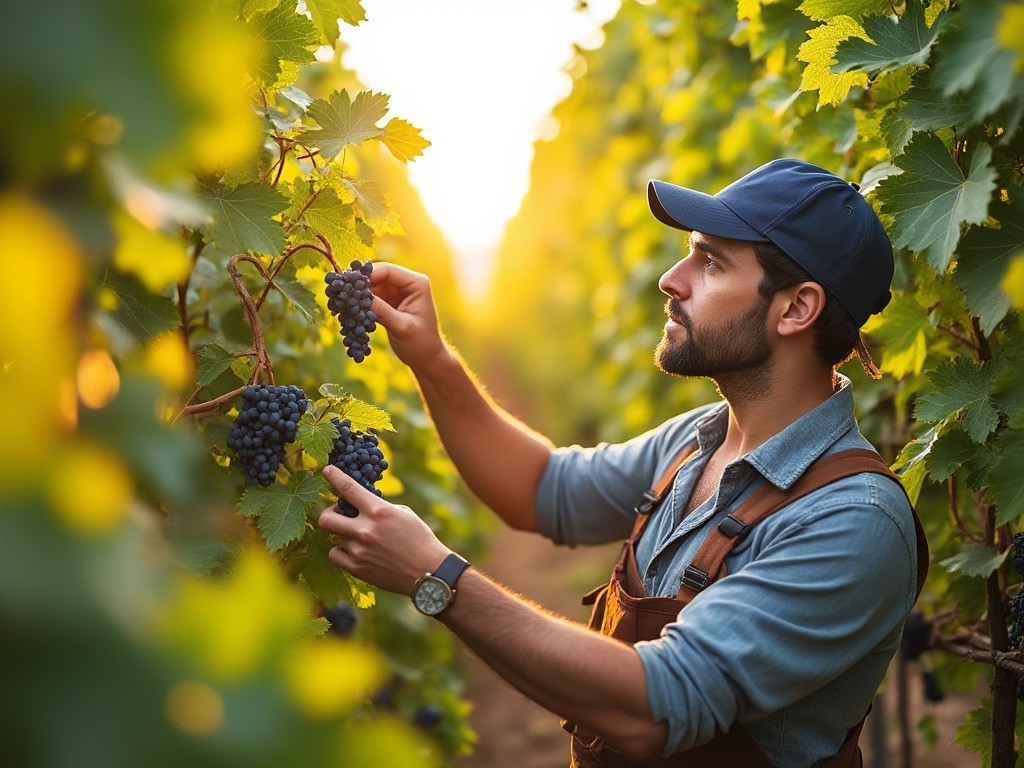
696, 211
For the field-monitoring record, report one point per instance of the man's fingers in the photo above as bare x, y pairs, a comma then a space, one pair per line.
347, 488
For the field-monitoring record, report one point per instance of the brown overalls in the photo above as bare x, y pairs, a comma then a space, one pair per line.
622, 610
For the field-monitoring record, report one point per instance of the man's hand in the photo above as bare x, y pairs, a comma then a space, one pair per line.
387, 545
405, 307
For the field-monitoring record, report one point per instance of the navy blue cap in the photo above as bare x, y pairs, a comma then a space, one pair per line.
819, 220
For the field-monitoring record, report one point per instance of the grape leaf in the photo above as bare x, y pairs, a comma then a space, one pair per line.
960, 386
281, 509
910, 463
891, 44
327, 583
823, 10
364, 416
403, 139
344, 122
243, 367
903, 329
335, 393
326, 14
928, 109
819, 55
949, 452
984, 255
283, 35
932, 198
974, 560
1005, 488
213, 361
300, 296
143, 314
895, 131
317, 438
242, 218
335, 220
969, 62
376, 207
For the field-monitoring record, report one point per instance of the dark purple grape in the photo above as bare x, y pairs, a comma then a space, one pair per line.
265, 424
358, 455
348, 298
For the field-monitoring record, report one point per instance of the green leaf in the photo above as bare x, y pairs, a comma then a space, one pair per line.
316, 438
335, 393
974, 560
284, 35
326, 14
823, 10
329, 584
213, 361
281, 509
300, 296
403, 139
895, 131
972, 63
243, 367
974, 732
929, 109
983, 257
960, 386
242, 218
344, 122
365, 417
143, 314
932, 198
335, 220
1005, 484
903, 330
376, 207
949, 452
911, 462
819, 54
894, 43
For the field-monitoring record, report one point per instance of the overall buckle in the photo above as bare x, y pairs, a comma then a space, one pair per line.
695, 578
646, 503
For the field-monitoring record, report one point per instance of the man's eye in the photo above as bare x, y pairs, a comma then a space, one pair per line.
709, 263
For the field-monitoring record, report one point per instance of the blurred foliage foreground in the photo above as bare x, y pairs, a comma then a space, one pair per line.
179, 178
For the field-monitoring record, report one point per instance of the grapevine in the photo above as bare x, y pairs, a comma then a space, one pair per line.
348, 297
359, 456
265, 425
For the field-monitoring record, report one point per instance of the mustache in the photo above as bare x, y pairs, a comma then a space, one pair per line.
676, 313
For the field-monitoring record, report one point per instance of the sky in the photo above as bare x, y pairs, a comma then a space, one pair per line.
479, 78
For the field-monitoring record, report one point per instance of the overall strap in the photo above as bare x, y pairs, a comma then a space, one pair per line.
652, 497
708, 563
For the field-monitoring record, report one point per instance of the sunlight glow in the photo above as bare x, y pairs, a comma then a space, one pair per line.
480, 78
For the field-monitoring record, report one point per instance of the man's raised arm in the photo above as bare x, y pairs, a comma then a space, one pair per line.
500, 459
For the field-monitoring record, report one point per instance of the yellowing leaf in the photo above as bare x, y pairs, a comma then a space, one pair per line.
1013, 281
90, 489
41, 269
97, 378
233, 629
1010, 33
819, 53
329, 677
403, 139
158, 260
168, 359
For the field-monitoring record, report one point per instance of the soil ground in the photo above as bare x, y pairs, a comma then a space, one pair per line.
516, 733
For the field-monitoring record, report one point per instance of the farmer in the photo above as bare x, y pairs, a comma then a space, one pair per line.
770, 559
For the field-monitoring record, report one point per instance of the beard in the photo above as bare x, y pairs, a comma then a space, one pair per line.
733, 346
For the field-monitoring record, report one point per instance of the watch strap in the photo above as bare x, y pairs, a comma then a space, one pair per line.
450, 569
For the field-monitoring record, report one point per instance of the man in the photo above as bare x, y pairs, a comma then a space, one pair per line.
772, 659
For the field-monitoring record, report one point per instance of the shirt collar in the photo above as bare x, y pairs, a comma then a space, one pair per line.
787, 455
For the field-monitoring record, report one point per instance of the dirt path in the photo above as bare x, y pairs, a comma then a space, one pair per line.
516, 733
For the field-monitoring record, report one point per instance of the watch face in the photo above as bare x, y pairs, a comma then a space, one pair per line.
431, 596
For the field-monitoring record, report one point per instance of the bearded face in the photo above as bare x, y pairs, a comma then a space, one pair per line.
724, 346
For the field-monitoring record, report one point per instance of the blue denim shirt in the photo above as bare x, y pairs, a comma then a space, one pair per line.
795, 641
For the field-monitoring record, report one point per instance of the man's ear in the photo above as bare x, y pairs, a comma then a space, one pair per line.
802, 305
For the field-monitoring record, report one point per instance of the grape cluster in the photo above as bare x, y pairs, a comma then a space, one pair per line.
358, 455
343, 619
266, 423
348, 297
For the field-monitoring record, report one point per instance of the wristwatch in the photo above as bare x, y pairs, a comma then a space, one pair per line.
435, 591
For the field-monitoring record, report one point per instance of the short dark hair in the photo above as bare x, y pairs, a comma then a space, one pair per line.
836, 334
